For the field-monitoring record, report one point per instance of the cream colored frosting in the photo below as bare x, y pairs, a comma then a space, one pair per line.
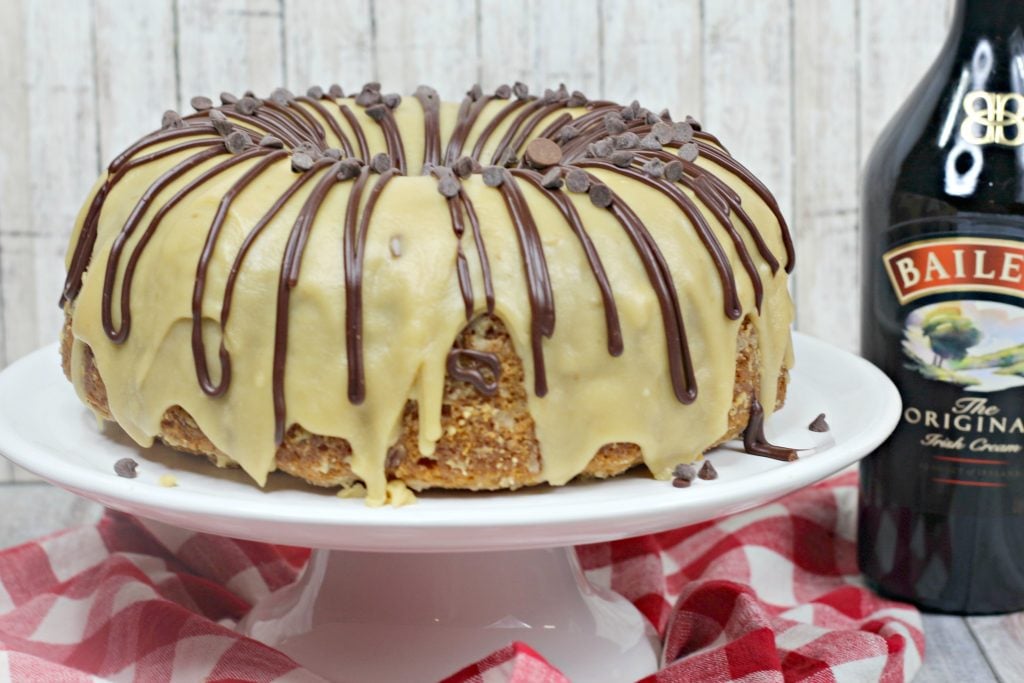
413, 311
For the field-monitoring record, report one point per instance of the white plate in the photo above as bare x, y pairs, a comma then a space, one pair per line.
45, 429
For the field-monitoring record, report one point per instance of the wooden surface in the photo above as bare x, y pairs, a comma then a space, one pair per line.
974, 650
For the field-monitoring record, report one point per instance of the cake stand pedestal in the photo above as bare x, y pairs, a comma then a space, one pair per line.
359, 616
418, 592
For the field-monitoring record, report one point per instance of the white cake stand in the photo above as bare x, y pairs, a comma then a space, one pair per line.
415, 593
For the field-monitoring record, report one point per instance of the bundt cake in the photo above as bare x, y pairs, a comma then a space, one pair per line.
501, 292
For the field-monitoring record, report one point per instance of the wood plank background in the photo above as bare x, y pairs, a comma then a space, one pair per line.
798, 89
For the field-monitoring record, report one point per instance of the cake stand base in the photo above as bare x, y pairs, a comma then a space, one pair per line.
361, 616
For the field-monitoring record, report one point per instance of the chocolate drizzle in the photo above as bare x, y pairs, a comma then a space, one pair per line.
629, 142
756, 443
538, 281
460, 367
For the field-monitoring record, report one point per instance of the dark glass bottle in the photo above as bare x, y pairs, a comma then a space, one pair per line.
942, 501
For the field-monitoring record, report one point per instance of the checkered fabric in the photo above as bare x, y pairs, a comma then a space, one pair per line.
767, 595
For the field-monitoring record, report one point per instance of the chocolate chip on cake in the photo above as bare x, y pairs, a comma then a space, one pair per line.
463, 167
171, 119
552, 180
689, 152
380, 163
237, 141
220, 122
577, 180
542, 153
674, 171
494, 176
600, 195
335, 91
200, 103
271, 142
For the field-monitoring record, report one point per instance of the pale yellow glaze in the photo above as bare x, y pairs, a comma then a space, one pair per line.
413, 311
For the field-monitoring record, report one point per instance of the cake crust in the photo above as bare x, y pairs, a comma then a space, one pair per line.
488, 441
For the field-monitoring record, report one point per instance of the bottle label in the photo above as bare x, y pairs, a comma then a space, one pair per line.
993, 118
961, 321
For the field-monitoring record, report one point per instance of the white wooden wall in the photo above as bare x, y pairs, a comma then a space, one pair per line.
797, 89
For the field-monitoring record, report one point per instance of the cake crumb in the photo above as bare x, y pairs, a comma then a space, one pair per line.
399, 494
356, 490
168, 481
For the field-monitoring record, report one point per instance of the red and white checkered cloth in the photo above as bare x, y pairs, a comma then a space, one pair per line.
767, 595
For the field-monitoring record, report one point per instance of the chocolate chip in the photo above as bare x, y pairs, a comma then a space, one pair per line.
600, 195
674, 171
552, 180
650, 143
682, 132
628, 140
380, 163
335, 91
689, 152
396, 454
301, 161
627, 114
200, 103
349, 168
237, 141
664, 115
663, 132
577, 180
509, 159
391, 100
820, 424
681, 483
249, 93
707, 471
463, 167
622, 158
614, 123
448, 185
368, 96
563, 93
377, 112
654, 168
171, 119
333, 153
503, 91
694, 123
271, 142
248, 105
494, 176
604, 148
307, 147
425, 91
684, 471
227, 98
281, 96
125, 467
541, 153
650, 118
550, 96
568, 133
315, 92
577, 99
520, 90
475, 93
220, 122
372, 85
